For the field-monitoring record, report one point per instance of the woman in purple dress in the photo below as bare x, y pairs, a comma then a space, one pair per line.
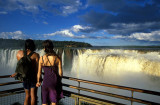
52, 66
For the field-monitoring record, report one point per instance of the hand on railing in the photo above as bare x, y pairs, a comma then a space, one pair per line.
13, 75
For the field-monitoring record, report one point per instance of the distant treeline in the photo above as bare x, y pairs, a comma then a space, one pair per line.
18, 43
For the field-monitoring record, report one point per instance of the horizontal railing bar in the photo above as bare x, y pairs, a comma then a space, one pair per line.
11, 93
11, 90
110, 94
5, 76
105, 84
90, 101
114, 86
95, 83
9, 83
82, 95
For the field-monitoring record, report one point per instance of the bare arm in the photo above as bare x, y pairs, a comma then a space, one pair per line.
60, 68
19, 56
39, 72
37, 62
13, 75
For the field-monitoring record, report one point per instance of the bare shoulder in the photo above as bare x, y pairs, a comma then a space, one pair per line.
58, 59
41, 59
19, 54
36, 54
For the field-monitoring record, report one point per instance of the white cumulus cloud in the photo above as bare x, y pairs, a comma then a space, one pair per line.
69, 32
13, 35
77, 28
152, 36
73, 31
65, 33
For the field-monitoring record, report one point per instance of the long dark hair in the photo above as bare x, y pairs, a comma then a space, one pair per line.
29, 44
48, 47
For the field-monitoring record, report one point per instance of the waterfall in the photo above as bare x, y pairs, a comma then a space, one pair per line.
132, 68
100, 62
8, 61
95, 61
97, 64
63, 58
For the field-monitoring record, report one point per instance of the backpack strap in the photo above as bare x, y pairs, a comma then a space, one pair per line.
30, 54
25, 53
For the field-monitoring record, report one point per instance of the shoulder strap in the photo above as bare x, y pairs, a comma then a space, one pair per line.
52, 66
42, 59
50, 62
55, 60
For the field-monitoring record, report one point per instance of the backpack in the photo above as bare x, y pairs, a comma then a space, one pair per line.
24, 68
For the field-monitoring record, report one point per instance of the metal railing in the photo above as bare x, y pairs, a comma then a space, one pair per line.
90, 100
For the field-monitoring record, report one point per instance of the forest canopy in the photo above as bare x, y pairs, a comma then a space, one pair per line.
18, 43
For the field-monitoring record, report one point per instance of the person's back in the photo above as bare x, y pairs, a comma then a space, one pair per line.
29, 86
50, 60
34, 59
52, 66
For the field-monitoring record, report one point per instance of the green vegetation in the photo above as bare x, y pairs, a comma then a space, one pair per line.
14, 43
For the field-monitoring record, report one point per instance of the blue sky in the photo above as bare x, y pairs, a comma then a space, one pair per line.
98, 22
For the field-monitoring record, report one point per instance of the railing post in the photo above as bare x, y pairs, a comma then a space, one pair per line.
78, 87
132, 97
75, 101
78, 92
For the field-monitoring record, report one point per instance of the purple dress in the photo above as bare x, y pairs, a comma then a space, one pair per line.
52, 85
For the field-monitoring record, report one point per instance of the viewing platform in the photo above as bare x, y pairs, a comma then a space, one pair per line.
79, 94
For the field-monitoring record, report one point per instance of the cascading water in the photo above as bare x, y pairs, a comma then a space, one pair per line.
100, 62
139, 69
8, 61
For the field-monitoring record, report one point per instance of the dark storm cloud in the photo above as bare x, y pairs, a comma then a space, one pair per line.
112, 5
156, 2
127, 29
131, 16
